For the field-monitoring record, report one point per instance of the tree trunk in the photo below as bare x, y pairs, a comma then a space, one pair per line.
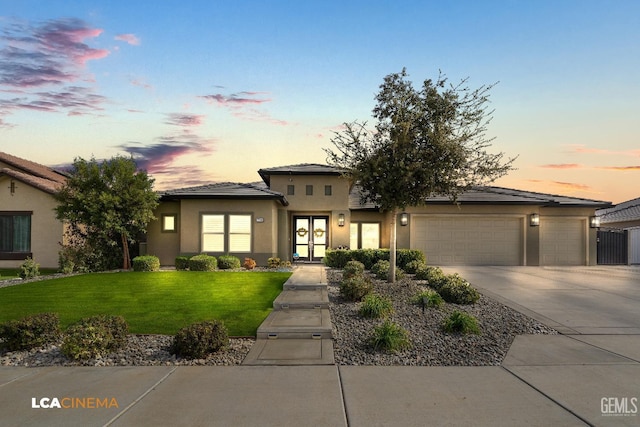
392, 247
126, 259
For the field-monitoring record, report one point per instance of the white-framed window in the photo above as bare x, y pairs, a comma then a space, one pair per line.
226, 233
364, 235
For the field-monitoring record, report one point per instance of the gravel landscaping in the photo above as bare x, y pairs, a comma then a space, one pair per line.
430, 345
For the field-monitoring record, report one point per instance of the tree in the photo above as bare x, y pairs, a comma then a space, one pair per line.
426, 142
107, 199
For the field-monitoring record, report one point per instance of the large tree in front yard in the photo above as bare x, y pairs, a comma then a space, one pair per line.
108, 199
425, 142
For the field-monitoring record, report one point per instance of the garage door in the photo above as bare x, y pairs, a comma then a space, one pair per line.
468, 240
562, 241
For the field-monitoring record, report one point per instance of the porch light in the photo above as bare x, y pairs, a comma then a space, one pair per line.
534, 220
404, 219
594, 222
340, 220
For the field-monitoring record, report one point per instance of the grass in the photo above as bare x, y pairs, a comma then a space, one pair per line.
151, 302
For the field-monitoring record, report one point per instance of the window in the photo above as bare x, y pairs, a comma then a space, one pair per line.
327, 190
309, 190
169, 223
291, 190
226, 233
15, 235
364, 235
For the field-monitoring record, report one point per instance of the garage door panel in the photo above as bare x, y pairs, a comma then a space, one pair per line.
562, 241
469, 240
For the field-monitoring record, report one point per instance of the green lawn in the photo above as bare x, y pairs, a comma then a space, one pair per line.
154, 302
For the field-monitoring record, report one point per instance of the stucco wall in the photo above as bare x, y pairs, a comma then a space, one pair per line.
46, 230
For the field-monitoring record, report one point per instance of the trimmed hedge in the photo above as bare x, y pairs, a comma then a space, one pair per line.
353, 268
197, 340
95, 337
30, 332
457, 290
182, 262
356, 287
338, 258
433, 275
146, 263
203, 262
228, 262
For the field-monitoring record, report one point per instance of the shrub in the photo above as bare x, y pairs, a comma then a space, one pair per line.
29, 269
461, 322
182, 262
203, 262
375, 306
249, 263
30, 332
433, 275
368, 256
146, 263
405, 256
429, 298
390, 337
336, 258
66, 261
228, 262
197, 340
412, 267
355, 288
456, 290
273, 262
353, 268
95, 337
381, 270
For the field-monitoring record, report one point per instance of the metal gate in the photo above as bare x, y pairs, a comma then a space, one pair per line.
613, 247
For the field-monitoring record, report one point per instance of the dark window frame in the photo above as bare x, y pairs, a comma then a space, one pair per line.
8, 252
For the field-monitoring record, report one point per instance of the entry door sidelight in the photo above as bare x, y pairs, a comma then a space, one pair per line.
310, 237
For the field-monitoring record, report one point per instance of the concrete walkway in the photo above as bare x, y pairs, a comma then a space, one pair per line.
545, 380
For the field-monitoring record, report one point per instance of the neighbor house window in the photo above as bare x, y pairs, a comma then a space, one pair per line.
309, 190
327, 190
364, 235
15, 235
226, 233
291, 190
169, 223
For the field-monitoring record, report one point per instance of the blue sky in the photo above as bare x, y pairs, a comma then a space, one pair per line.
203, 91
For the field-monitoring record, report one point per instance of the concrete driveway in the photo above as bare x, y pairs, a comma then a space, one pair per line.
574, 300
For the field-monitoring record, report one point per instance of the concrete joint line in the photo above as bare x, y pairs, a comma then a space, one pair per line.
344, 402
17, 378
547, 396
142, 396
605, 349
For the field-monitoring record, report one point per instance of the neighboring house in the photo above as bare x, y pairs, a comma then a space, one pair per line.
28, 225
299, 211
624, 216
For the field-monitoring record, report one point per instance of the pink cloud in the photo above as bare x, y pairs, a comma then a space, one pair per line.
571, 186
183, 119
581, 149
562, 166
234, 99
128, 38
621, 168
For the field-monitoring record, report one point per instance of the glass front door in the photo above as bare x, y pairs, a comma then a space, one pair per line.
310, 237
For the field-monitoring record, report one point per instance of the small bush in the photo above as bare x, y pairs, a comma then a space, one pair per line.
228, 262
146, 263
197, 340
203, 262
381, 270
405, 256
29, 269
353, 268
249, 263
336, 258
429, 298
390, 337
456, 290
461, 322
182, 262
273, 262
66, 263
433, 275
95, 337
30, 332
375, 306
413, 266
355, 288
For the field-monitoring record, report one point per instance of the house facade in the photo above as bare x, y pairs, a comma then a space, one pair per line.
297, 212
28, 226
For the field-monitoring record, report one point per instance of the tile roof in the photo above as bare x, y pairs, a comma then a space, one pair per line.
34, 174
495, 195
299, 169
224, 190
622, 212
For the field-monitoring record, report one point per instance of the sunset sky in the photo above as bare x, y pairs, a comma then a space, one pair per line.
204, 91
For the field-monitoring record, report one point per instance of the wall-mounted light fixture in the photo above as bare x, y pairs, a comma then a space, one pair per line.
594, 222
340, 220
404, 219
534, 220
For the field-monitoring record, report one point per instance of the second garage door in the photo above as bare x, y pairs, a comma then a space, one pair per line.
469, 240
562, 241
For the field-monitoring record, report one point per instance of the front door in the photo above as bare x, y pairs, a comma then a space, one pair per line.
310, 237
